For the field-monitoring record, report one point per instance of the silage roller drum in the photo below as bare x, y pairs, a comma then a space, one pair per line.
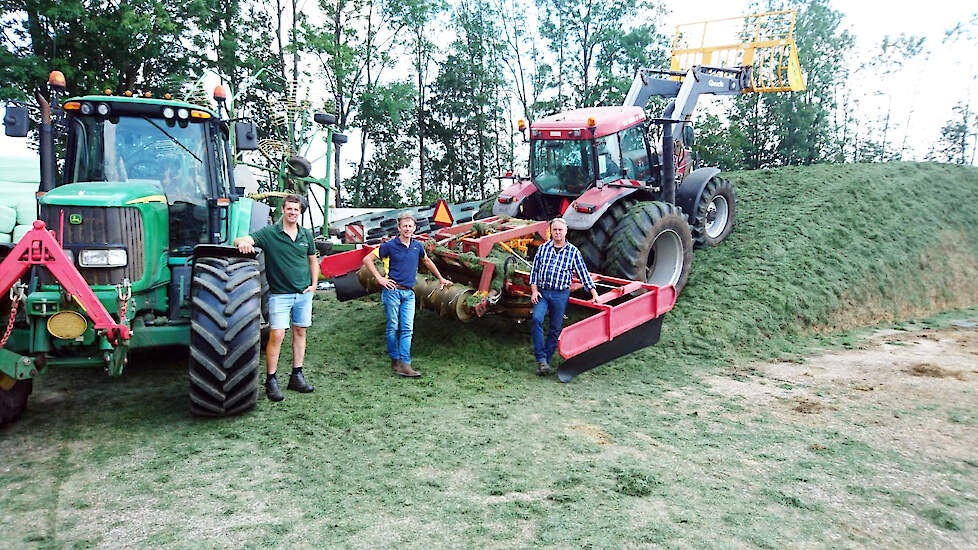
452, 302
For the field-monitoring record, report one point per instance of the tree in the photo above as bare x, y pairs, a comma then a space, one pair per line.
598, 47
467, 104
796, 127
957, 141
139, 45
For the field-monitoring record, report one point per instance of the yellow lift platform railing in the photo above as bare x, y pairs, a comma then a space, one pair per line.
764, 42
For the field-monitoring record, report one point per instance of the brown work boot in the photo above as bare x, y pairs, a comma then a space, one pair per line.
543, 368
404, 369
395, 364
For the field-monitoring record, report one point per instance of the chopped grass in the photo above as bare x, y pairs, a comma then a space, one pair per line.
480, 452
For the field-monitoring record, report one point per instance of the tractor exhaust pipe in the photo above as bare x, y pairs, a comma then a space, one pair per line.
668, 165
45, 142
45, 145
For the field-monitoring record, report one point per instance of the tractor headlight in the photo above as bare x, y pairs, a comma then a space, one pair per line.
106, 257
102, 109
168, 112
183, 114
87, 108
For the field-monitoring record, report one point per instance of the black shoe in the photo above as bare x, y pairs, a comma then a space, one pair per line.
298, 383
543, 368
272, 391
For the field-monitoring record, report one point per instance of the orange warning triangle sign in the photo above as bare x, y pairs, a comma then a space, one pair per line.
443, 216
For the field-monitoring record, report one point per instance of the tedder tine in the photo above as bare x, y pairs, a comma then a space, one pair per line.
646, 334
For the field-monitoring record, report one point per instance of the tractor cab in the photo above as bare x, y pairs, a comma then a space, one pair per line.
173, 146
572, 151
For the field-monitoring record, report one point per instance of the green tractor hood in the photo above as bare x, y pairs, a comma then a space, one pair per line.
102, 193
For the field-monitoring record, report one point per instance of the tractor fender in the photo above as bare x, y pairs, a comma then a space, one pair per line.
219, 251
595, 201
509, 200
691, 189
260, 216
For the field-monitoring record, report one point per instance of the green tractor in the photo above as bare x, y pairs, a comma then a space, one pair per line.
132, 247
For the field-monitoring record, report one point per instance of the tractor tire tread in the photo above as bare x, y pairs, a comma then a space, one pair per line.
224, 350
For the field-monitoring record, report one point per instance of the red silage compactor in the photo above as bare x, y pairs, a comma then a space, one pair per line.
489, 262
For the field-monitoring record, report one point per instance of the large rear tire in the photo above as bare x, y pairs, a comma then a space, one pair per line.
593, 243
13, 397
225, 326
652, 243
716, 213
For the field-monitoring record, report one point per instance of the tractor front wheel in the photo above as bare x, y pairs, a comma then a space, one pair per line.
716, 213
225, 326
652, 243
13, 397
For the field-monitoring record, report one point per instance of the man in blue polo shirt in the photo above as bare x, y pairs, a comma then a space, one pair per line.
403, 256
292, 270
550, 281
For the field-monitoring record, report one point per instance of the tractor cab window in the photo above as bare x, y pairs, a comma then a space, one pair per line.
634, 153
171, 154
561, 167
126, 148
609, 157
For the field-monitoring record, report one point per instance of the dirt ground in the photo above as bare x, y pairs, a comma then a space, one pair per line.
911, 393
881, 388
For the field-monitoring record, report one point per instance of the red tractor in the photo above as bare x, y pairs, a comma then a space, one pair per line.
635, 206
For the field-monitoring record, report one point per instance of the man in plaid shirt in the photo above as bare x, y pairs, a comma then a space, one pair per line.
550, 281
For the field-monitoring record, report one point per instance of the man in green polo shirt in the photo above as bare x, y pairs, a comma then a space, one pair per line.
292, 270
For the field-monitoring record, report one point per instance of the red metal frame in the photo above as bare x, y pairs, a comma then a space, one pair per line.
335, 265
39, 247
612, 321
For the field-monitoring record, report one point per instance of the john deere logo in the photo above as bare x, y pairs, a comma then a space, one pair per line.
75, 219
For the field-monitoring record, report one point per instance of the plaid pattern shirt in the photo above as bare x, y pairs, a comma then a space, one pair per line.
552, 267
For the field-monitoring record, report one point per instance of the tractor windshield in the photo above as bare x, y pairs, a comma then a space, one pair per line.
561, 167
139, 148
170, 153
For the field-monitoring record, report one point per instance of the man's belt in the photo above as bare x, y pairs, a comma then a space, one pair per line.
402, 287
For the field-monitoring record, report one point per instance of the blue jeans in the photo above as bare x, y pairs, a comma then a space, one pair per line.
554, 301
399, 307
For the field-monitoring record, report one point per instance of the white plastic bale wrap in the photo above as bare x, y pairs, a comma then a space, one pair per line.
20, 231
26, 210
8, 219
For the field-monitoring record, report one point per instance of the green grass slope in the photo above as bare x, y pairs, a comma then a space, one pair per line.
481, 453
832, 247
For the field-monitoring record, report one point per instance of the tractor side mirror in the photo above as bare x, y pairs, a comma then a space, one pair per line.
245, 136
688, 136
339, 139
16, 121
325, 119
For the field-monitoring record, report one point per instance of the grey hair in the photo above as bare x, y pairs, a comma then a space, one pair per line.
405, 216
558, 219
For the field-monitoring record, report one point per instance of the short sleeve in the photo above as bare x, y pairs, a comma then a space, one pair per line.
261, 236
311, 250
384, 250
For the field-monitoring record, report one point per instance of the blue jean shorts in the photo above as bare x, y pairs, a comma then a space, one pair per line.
296, 308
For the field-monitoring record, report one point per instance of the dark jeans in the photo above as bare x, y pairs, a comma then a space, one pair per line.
554, 301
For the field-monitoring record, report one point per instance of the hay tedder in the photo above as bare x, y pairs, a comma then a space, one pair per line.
489, 261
